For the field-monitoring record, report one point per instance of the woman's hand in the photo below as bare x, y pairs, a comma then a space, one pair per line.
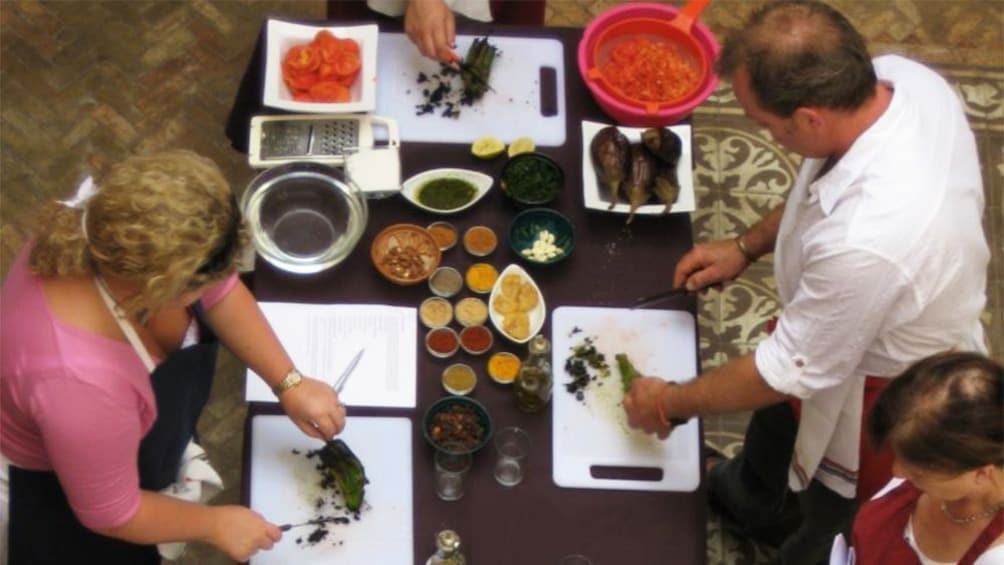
641, 404
314, 407
431, 26
708, 264
241, 532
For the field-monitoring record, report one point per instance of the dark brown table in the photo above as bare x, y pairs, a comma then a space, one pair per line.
535, 522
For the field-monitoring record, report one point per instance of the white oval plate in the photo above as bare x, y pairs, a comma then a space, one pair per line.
482, 183
536, 315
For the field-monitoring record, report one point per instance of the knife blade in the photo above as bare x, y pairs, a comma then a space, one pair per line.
344, 377
316, 522
646, 301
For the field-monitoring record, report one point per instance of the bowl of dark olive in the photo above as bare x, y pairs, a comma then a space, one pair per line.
531, 179
459, 422
446, 191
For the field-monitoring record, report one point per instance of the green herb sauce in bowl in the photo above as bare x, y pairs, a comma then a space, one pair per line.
532, 179
446, 193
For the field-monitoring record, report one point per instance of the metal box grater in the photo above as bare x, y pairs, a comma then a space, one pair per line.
327, 139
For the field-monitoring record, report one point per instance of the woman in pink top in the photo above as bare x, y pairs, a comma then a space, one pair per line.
107, 351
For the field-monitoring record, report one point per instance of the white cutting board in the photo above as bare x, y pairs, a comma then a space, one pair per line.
512, 111
284, 487
594, 431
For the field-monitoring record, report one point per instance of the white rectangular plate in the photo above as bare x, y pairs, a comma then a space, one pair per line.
596, 198
284, 488
281, 36
594, 431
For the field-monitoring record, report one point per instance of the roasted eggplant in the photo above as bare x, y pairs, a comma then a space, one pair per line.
667, 148
665, 187
663, 144
640, 178
610, 151
342, 465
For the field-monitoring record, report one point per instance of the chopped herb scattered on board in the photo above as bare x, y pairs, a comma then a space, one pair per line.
585, 365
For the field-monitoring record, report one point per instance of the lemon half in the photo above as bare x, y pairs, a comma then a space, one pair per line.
487, 147
521, 145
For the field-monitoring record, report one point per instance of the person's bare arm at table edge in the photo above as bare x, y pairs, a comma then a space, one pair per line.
312, 405
431, 26
715, 262
235, 530
733, 387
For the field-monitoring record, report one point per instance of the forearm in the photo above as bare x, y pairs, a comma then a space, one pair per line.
733, 387
163, 519
760, 238
243, 329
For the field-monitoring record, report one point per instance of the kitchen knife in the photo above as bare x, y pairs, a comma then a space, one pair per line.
344, 377
647, 301
315, 522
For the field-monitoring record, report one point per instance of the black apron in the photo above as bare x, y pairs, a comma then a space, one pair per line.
43, 528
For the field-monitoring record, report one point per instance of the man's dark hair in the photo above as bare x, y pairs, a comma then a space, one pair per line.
801, 54
944, 414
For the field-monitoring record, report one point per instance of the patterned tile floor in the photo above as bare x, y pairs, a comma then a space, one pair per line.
85, 83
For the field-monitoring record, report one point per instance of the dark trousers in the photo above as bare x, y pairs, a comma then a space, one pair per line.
751, 490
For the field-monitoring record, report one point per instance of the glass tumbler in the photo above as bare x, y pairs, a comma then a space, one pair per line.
513, 446
451, 470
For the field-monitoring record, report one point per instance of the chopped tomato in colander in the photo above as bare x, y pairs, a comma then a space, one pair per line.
650, 71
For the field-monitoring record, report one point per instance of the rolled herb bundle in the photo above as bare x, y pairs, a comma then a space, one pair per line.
477, 68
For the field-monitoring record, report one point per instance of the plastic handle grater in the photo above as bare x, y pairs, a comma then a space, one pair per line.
322, 138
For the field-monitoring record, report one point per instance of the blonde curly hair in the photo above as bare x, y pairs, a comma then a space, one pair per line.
167, 221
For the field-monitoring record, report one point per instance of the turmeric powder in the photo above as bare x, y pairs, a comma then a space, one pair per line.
503, 367
481, 277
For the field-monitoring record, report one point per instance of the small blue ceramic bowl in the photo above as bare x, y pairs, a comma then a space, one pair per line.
457, 424
527, 229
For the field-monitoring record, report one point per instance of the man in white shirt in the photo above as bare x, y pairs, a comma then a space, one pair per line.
880, 259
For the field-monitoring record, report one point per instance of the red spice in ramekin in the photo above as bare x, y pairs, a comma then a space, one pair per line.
441, 342
475, 339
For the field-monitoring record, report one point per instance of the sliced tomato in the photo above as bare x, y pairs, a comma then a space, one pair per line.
346, 64
349, 45
347, 80
330, 91
301, 59
324, 37
299, 81
327, 72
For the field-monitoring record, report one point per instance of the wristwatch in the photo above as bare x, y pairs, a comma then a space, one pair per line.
293, 378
